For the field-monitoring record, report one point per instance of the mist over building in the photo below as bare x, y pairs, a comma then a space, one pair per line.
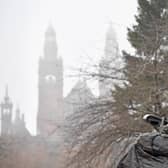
109, 63
53, 108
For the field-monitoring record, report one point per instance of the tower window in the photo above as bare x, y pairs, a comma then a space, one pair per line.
50, 78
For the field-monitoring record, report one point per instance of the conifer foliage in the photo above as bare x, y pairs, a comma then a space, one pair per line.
146, 72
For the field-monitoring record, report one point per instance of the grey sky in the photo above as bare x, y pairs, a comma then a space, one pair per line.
80, 27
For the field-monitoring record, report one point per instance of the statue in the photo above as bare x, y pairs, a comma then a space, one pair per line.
151, 150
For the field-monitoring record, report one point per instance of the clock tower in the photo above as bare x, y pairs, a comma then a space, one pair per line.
50, 87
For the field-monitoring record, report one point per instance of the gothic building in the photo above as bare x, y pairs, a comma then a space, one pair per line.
6, 114
52, 106
50, 88
48, 149
107, 64
10, 127
78, 98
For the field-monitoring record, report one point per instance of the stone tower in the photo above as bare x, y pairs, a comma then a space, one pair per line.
50, 87
108, 63
6, 115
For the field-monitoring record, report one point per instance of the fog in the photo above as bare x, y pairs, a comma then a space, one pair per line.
80, 32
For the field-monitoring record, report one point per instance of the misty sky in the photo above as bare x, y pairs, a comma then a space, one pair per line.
80, 27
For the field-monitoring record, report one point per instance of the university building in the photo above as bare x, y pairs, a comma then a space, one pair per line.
53, 108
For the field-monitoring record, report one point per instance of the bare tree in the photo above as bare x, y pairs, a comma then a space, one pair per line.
106, 122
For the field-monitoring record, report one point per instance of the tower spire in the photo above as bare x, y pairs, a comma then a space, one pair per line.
50, 108
6, 91
50, 44
108, 62
111, 44
6, 98
6, 114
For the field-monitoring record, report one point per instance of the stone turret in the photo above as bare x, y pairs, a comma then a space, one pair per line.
6, 114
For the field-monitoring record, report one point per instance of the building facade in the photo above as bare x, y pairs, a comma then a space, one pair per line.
50, 87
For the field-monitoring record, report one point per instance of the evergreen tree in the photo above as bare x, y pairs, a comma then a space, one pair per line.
146, 88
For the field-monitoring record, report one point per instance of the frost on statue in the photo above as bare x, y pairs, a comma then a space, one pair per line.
151, 150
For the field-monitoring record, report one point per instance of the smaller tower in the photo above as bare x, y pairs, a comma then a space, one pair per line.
6, 114
108, 63
111, 48
19, 126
